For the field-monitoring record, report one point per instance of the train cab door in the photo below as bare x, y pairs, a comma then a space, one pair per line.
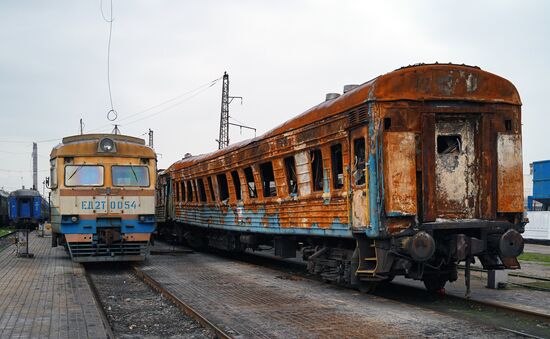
359, 177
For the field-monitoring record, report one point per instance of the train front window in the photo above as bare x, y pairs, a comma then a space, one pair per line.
83, 175
132, 176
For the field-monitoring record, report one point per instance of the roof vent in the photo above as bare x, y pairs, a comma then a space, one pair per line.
348, 88
187, 155
331, 96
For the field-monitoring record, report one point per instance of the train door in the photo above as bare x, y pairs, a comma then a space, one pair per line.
456, 170
359, 177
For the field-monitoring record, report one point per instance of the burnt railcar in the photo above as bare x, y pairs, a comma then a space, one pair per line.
407, 174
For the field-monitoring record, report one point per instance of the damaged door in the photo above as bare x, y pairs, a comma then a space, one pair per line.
456, 167
359, 177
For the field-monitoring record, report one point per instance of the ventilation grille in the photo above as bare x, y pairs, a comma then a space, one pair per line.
358, 115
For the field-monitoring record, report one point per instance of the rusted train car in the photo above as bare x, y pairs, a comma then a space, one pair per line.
407, 174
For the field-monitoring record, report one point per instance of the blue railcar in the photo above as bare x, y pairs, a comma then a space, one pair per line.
27, 208
4, 208
541, 182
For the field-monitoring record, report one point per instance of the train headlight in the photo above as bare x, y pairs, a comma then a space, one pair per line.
142, 218
106, 145
74, 218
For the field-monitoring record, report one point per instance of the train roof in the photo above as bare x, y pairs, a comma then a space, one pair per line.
25, 193
86, 145
3, 193
421, 82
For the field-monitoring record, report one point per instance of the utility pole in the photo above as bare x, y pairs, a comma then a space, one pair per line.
34, 166
223, 140
150, 138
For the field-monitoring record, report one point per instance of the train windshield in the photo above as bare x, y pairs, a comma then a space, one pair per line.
130, 176
83, 175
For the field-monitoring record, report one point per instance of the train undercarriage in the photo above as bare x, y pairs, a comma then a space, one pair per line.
431, 253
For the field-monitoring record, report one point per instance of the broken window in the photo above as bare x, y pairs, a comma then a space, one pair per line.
316, 169
182, 190
177, 191
290, 168
508, 124
223, 190
202, 191
250, 182
189, 191
268, 179
337, 166
236, 184
359, 161
211, 188
449, 144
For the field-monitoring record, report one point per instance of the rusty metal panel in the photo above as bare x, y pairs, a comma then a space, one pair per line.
428, 167
510, 173
400, 173
302, 171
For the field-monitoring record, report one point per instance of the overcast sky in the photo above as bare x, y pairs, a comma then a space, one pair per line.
282, 57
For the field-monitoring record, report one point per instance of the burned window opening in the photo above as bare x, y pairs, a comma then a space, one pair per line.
316, 169
387, 123
449, 144
177, 191
236, 184
359, 161
337, 164
250, 184
211, 189
291, 179
268, 179
182, 190
189, 191
202, 191
223, 189
508, 124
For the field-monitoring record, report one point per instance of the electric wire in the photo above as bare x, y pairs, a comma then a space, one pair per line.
110, 21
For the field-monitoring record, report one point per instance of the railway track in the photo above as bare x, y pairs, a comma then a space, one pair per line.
522, 276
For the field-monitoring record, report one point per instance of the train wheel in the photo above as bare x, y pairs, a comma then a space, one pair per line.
434, 284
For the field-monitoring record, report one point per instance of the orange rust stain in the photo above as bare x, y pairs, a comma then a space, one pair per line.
400, 173
510, 173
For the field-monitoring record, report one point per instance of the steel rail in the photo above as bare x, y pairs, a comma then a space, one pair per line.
186, 308
99, 304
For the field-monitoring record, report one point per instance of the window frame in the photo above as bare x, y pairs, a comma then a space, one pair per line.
333, 164
311, 168
288, 176
248, 189
83, 165
262, 176
134, 166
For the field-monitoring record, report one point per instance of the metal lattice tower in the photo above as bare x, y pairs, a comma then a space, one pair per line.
223, 140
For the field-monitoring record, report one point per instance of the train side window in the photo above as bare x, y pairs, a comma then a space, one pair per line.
337, 166
202, 191
182, 190
178, 198
250, 182
291, 180
211, 188
316, 169
195, 190
359, 161
237, 184
223, 189
449, 144
189, 191
508, 124
268, 180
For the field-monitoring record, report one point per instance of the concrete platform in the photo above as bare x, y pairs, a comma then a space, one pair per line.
515, 297
47, 296
250, 301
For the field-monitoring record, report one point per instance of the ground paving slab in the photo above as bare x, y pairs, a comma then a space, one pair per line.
47, 296
249, 301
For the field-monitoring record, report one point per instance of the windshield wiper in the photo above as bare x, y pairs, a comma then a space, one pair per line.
78, 169
135, 175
